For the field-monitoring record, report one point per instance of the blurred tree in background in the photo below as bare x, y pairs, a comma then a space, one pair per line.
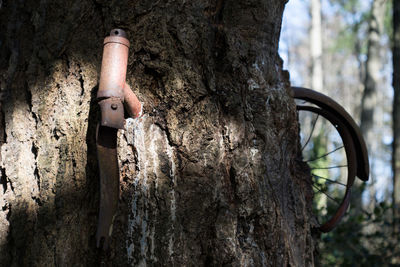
358, 41
396, 114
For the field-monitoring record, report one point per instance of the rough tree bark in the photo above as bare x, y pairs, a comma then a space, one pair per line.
396, 114
209, 175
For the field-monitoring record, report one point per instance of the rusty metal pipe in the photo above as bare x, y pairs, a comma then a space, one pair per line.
114, 64
132, 103
113, 94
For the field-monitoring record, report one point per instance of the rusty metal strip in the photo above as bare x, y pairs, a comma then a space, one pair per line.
113, 93
326, 103
340, 212
109, 182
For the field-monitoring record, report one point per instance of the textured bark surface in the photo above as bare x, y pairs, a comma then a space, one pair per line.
209, 174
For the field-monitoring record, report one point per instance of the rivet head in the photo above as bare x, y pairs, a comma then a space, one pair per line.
114, 106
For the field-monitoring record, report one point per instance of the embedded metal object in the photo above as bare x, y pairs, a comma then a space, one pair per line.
112, 113
329, 104
109, 183
132, 103
353, 142
113, 94
114, 64
351, 161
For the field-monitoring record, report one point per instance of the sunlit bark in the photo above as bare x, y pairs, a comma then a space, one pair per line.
209, 175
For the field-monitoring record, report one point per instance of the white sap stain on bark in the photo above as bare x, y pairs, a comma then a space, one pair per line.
170, 153
255, 66
143, 240
139, 212
252, 84
155, 133
146, 139
263, 259
156, 137
152, 244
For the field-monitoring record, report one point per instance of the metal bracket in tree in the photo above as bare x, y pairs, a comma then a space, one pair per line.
114, 94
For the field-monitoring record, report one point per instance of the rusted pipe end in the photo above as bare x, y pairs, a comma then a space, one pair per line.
114, 65
117, 40
117, 36
118, 32
132, 103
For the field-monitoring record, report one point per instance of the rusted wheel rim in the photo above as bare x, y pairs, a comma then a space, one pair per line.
351, 158
326, 103
355, 147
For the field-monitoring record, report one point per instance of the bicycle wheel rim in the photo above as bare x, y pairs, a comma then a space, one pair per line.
351, 158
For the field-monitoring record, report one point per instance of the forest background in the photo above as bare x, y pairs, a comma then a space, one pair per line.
349, 51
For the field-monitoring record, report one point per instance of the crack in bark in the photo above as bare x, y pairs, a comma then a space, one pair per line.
74, 171
3, 135
3, 179
34, 150
34, 147
167, 132
99, 8
232, 179
81, 81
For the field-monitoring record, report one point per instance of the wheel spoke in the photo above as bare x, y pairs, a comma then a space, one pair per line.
330, 167
329, 180
312, 131
331, 198
326, 154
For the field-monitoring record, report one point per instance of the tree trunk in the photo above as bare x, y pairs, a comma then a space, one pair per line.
372, 69
396, 114
316, 46
371, 82
209, 174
